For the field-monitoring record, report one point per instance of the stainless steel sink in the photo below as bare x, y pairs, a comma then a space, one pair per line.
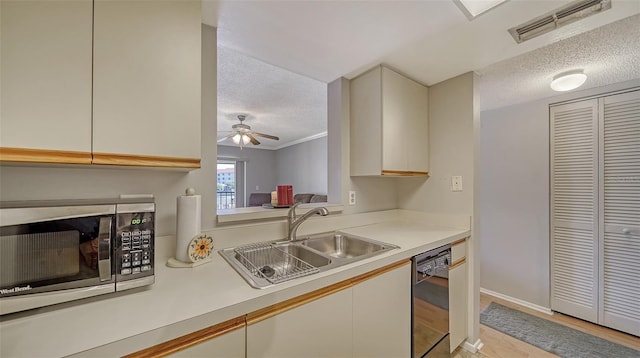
341, 246
268, 263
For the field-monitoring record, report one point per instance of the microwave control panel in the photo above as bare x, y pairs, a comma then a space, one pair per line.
135, 245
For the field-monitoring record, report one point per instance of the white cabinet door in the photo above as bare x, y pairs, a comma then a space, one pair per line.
228, 345
46, 75
620, 212
320, 328
574, 209
405, 137
382, 315
389, 125
146, 90
458, 301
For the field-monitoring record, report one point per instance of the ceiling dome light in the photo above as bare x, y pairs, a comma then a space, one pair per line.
567, 81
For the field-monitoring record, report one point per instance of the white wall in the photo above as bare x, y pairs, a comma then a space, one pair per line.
75, 182
304, 166
514, 179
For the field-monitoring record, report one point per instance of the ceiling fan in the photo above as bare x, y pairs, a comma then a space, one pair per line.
242, 134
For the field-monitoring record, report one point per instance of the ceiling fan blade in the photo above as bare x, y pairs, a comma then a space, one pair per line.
226, 137
268, 136
253, 139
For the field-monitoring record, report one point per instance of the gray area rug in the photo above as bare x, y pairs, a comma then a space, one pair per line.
550, 336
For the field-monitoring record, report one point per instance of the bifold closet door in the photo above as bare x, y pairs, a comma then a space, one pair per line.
574, 209
620, 212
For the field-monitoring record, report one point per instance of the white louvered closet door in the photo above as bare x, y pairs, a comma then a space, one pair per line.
574, 204
620, 212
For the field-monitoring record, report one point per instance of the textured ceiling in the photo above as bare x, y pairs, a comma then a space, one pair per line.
277, 101
609, 54
264, 44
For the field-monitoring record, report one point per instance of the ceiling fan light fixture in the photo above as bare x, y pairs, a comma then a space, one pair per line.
568, 81
241, 137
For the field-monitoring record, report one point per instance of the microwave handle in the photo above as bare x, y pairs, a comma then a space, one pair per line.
104, 249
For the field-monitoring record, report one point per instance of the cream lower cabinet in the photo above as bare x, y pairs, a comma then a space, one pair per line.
228, 345
224, 340
382, 315
320, 328
368, 316
458, 292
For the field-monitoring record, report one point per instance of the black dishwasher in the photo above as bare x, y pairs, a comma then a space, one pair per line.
430, 303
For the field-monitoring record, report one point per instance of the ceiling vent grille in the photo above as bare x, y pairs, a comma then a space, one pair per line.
567, 14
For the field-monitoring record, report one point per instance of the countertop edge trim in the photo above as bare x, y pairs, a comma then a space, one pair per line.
191, 339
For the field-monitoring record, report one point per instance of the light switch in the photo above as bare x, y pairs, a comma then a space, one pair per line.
456, 183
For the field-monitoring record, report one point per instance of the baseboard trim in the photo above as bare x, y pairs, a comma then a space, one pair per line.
473, 347
517, 301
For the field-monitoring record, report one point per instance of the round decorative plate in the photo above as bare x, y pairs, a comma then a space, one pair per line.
200, 248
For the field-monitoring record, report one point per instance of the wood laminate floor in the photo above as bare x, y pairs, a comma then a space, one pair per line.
500, 345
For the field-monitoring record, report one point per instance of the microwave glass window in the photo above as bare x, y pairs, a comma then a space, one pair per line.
52, 252
39, 256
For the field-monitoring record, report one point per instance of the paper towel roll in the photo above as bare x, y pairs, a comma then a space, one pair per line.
188, 223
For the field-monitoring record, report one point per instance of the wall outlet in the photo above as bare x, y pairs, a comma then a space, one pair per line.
456, 183
352, 197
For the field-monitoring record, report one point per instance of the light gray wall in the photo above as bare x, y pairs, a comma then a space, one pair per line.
304, 166
451, 145
75, 182
514, 176
514, 191
260, 167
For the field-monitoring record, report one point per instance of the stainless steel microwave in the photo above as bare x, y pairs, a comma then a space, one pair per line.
58, 251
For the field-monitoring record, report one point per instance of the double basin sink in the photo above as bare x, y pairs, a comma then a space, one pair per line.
265, 264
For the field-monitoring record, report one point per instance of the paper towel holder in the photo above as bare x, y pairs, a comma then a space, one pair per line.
199, 250
190, 251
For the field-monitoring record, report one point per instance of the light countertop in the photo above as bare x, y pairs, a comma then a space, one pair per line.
185, 300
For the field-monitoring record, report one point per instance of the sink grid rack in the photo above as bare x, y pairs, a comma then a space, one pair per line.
271, 263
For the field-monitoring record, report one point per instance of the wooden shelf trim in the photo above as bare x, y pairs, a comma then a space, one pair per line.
278, 308
401, 173
459, 242
457, 263
180, 343
26, 155
145, 160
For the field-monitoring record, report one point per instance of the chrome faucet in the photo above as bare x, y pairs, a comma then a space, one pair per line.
295, 222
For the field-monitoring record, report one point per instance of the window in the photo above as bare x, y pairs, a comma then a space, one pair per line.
230, 184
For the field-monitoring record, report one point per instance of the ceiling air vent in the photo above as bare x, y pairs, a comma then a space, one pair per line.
567, 14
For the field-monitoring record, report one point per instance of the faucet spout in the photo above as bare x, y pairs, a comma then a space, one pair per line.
295, 221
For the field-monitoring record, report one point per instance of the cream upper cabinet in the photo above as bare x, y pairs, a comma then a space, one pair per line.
389, 125
46, 78
146, 79
102, 82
